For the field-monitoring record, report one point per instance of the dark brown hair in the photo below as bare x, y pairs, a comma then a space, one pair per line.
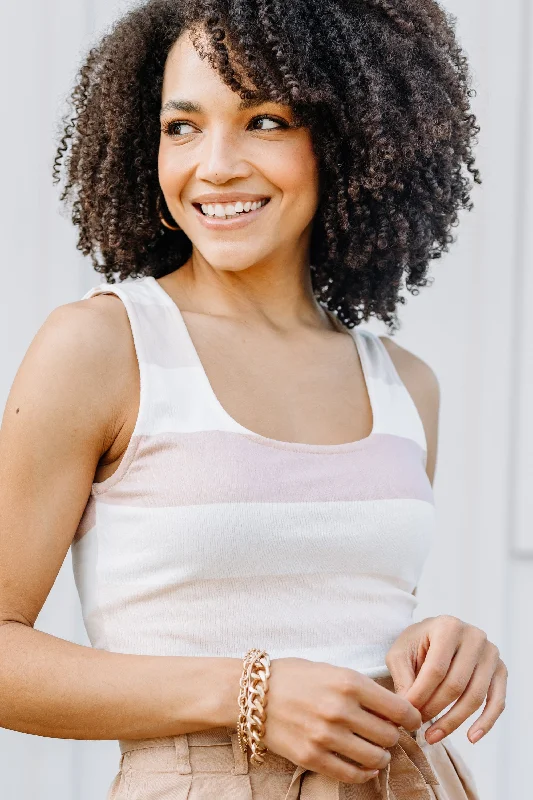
384, 88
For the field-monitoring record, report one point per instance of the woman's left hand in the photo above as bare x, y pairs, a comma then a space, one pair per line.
441, 660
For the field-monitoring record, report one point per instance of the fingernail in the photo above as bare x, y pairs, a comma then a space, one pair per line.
476, 736
434, 736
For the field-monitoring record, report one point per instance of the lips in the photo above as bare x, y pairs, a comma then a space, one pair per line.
230, 223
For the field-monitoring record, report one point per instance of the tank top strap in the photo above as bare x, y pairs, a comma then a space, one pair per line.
393, 407
139, 307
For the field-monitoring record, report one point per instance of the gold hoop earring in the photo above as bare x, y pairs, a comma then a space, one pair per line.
163, 220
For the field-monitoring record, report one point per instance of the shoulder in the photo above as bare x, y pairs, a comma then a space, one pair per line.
81, 358
422, 384
417, 375
92, 331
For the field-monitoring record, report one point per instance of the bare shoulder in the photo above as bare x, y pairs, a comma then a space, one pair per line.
97, 332
417, 375
101, 315
101, 330
422, 384
80, 358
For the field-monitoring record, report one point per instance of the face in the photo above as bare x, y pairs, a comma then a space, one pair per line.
219, 160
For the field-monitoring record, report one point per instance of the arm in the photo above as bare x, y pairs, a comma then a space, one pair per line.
62, 414
423, 386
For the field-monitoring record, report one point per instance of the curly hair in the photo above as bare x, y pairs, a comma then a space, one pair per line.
384, 88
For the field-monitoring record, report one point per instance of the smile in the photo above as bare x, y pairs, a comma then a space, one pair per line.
231, 215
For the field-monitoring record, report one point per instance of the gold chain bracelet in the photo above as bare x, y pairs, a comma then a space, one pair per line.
257, 698
245, 677
252, 702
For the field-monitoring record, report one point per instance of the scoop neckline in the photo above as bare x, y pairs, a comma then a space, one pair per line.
235, 426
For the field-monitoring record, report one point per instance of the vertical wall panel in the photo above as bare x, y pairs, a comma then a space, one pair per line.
523, 385
520, 630
39, 269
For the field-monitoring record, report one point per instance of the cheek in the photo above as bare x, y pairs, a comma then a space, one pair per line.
163, 166
171, 169
302, 183
294, 170
302, 169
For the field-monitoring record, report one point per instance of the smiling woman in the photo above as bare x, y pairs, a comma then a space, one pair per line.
239, 465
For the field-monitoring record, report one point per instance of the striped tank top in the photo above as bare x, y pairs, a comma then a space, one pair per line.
209, 538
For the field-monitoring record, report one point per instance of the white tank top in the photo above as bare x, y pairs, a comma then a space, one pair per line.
210, 539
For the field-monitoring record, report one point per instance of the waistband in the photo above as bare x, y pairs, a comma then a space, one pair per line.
408, 773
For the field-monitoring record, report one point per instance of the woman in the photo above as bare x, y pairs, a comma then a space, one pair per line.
241, 466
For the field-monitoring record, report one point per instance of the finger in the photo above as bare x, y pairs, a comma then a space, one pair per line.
436, 664
401, 669
472, 698
373, 728
494, 706
390, 706
365, 754
467, 658
330, 764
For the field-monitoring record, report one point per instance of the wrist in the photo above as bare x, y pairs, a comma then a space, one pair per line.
226, 700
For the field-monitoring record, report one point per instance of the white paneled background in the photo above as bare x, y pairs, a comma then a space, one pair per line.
472, 326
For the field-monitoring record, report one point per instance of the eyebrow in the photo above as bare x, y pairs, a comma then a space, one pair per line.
195, 108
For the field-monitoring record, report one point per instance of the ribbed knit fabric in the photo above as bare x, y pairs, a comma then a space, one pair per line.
210, 538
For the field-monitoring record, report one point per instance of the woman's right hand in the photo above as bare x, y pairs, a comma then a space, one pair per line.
317, 712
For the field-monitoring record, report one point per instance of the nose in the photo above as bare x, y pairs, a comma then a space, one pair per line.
221, 158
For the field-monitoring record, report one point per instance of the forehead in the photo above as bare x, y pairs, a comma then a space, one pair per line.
188, 72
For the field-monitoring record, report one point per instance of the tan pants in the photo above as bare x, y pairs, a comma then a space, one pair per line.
209, 765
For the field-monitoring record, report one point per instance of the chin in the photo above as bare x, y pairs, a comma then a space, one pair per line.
231, 258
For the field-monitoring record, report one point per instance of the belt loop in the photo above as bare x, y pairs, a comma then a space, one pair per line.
183, 764
240, 759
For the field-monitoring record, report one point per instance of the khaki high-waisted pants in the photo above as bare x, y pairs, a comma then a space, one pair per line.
209, 765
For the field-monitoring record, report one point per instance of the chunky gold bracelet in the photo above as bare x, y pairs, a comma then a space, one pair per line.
257, 699
252, 702
242, 735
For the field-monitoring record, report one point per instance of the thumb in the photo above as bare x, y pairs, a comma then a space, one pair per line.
402, 672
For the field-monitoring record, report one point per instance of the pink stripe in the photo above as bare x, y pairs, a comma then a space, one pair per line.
180, 469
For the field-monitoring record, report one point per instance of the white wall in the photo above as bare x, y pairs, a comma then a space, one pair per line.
472, 326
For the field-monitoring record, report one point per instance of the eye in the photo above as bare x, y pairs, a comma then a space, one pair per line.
280, 123
174, 128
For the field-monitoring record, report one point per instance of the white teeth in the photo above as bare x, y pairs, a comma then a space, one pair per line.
231, 209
